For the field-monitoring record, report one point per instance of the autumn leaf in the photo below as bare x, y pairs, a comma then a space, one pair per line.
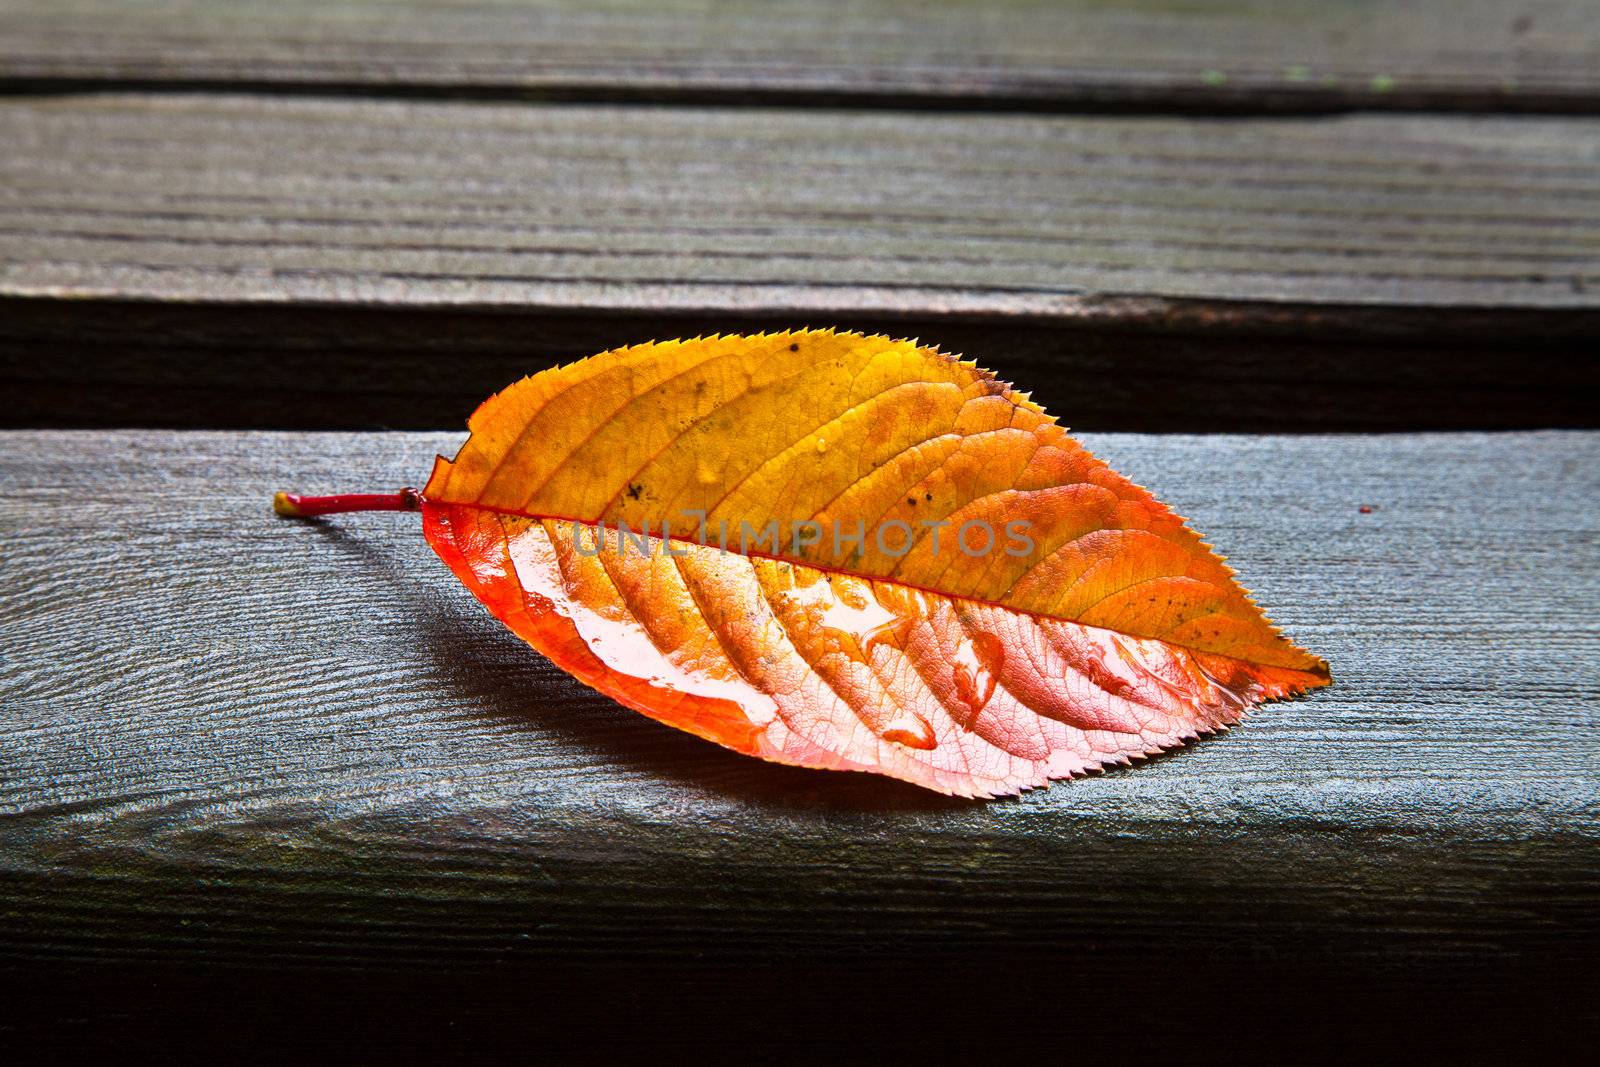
846, 552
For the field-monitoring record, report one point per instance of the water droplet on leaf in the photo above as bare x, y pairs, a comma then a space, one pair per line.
975, 669
911, 730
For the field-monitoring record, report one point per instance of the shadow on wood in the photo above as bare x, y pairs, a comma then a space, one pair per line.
1161, 366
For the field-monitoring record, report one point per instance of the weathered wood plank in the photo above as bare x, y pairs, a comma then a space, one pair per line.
231, 738
159, 254
249, 198
1012, 53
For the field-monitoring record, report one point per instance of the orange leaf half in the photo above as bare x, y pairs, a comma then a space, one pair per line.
883, 638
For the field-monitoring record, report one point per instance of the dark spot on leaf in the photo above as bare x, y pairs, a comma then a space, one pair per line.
927, 496
794, 348
634, 489
911, 500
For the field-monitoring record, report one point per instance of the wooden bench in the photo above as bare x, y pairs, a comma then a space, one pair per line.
278, 778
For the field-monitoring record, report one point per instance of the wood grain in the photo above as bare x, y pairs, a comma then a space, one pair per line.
227, 737
245, 198
241, 261
1048, 54
280, 784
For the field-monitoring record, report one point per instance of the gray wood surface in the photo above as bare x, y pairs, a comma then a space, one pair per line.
229, 737
244, 261
279, 781
259, 199
1038, 53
